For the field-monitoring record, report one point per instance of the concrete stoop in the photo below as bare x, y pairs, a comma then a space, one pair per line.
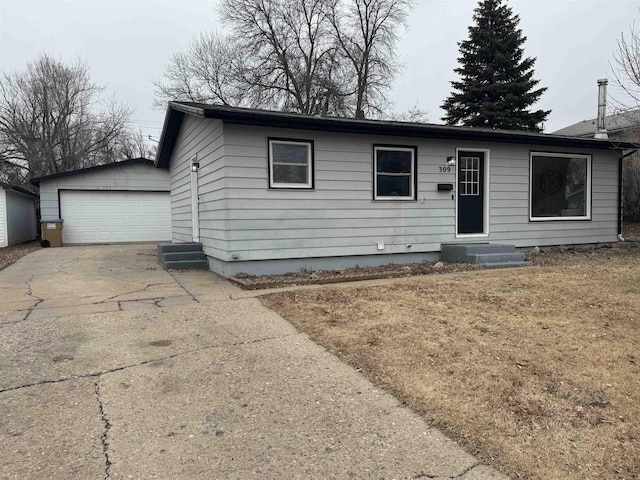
182, 256
491, 255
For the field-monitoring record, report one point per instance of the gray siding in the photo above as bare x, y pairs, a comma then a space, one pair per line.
3, 218
126, 177
339, 217
21, 217
203, 138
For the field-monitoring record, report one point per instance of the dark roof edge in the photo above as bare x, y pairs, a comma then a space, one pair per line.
244, 116
36, 181
7, 186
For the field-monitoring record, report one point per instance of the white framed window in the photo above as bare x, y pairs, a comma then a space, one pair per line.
394, 172
560, 186
290, 163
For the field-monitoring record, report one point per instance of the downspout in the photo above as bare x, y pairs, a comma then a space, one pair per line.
620, 199
620, 192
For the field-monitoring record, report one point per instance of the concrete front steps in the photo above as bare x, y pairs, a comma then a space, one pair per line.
491, 255
182, 256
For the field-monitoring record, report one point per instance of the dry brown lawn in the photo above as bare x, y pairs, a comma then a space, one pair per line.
536, 370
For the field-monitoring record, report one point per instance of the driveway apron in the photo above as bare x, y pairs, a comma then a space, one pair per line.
112, 367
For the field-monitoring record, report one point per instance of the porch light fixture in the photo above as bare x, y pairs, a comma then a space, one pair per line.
451, 161
195, 166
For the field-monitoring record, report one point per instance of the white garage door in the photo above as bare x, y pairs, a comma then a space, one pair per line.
111, 217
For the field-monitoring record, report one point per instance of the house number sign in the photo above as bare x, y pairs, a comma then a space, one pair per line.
444, 169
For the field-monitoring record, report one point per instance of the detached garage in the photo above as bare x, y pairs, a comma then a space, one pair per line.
17, 215
116, 203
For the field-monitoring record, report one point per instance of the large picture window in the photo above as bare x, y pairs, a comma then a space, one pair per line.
560, 186
394, 173
290, 163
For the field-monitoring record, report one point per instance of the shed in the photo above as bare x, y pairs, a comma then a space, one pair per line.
127, 201
267, 192
17, 215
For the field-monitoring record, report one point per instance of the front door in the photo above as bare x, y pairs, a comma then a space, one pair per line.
470, 192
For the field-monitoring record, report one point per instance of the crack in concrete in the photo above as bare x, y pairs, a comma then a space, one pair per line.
139, 290
104, 438
32, 295
144, 362
467, 470
183, 287
11, 322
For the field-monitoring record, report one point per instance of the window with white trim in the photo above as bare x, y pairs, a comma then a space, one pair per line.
560, 186
290, 163
394, 175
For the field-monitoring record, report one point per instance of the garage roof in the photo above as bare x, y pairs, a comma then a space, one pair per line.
36, 181
7, 186
245, 116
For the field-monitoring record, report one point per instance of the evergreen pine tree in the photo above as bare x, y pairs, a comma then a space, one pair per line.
496, 89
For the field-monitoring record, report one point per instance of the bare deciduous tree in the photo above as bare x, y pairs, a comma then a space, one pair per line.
210, 71
626, 74
626, 66
367, 32
290, 50
327, 57
50, 121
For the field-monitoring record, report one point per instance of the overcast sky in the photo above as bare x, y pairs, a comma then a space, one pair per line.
127, 44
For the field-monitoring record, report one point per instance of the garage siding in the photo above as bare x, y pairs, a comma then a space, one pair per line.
134, 177
3, 218
20, 217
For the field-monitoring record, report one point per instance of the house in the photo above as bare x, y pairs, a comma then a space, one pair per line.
126, 201
619, 126
17, 215
268, 192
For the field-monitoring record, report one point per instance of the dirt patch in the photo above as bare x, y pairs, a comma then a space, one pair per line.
10, 255
536, 370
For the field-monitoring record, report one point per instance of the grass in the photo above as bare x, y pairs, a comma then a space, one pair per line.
536, 370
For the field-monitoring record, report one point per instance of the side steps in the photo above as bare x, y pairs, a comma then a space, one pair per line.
491, 255
182, 256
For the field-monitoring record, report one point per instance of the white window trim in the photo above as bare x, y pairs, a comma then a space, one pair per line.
412, 183
583, 218
309, 182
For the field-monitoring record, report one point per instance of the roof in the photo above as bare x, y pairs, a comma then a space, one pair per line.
245, 116
7, 186
36, 181
612, 123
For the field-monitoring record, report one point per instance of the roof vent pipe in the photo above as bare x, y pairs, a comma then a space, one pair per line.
601, 131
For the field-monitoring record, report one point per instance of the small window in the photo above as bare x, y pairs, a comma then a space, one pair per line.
290, 163
394, 173
560, 186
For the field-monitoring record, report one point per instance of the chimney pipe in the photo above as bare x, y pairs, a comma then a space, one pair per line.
601, 131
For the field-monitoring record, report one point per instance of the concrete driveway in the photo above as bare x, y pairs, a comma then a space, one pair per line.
111, 367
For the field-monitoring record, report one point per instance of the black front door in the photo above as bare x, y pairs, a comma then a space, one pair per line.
470, 192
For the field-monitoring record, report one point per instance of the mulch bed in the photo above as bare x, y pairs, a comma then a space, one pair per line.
9, 255
320, 277
541, 257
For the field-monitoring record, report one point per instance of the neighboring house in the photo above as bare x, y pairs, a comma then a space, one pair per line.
268, 192
17, 215
126, 201
619, 126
